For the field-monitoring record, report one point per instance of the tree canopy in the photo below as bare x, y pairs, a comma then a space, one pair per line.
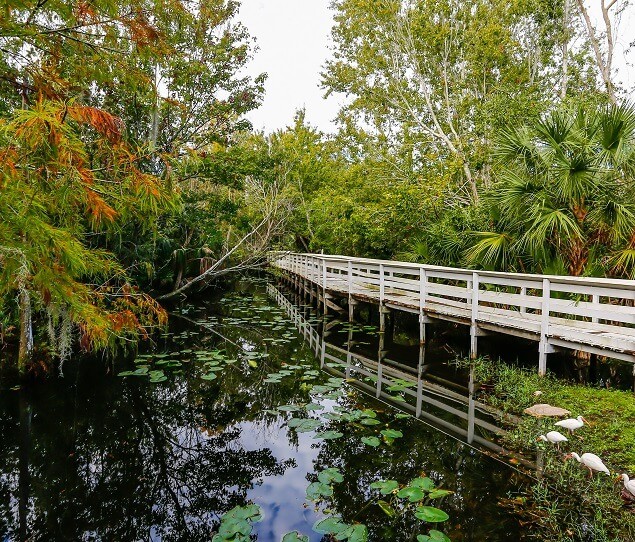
485, 134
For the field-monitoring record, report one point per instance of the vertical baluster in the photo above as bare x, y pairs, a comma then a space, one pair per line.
596, 305
474, 325
523, 301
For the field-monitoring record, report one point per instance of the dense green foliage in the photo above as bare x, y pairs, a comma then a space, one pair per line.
470, 134
564, 200
112, 114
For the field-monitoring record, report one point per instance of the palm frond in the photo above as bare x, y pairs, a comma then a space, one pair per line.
493, 250
623, 262
550, 225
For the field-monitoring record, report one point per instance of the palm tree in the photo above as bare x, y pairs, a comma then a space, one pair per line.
564, 200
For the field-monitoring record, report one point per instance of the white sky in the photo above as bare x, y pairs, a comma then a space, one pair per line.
293, 37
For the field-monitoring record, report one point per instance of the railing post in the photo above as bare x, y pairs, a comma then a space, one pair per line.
324, 284
474, 326
543, 347
381, 284
523, 294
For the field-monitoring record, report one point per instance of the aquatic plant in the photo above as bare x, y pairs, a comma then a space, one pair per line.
237, 524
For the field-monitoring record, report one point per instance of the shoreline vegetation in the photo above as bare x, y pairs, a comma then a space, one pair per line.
565, 486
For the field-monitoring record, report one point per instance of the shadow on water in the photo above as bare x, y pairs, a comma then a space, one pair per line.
93, 456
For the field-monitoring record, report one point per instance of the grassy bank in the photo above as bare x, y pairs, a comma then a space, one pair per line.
566, 505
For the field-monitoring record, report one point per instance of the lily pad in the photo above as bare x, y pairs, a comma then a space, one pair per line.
371, 441
289, 408
431, 514
331, 525
413, 494
353, 533
330, 475
304, 425
385, 486
433, 536
317, 490
328, 435
424, 483
391, 433
438, 493
295, 536
370, 421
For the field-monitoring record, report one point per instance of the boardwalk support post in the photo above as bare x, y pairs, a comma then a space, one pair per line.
423, 284
382, 309
543, 347
351, 302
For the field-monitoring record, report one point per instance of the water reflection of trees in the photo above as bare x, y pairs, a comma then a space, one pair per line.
449, 463
122, 460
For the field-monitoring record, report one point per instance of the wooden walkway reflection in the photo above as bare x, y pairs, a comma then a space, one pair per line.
460, 415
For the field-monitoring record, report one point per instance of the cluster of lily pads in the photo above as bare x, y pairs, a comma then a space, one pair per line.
355, 327
156, 365
417, 494
161, 362
372, 433
413, 497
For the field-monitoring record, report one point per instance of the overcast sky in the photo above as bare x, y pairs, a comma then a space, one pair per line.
293, 38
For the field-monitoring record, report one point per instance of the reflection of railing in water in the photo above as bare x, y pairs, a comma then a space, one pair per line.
384, 374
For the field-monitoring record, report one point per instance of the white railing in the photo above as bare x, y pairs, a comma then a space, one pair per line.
595, 315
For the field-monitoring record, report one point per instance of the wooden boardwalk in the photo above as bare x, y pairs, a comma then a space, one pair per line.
593, 315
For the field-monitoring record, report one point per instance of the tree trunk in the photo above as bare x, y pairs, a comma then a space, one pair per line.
604, 64
26, 330
565, 51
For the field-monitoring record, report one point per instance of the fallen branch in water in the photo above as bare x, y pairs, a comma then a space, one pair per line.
214, 271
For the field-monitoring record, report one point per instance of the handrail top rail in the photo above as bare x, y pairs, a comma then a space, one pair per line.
561, 279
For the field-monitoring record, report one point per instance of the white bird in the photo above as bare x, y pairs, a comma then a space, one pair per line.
629, 485
591, 462
572, 423
554, 437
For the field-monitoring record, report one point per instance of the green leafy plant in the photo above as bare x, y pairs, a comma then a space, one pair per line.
237, 524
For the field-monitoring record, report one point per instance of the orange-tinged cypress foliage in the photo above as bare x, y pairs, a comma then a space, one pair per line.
53, 198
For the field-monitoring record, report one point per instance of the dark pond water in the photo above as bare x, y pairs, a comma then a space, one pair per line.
94, 456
